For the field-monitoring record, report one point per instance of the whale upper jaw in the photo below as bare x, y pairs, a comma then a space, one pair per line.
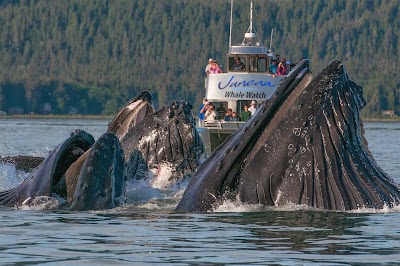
131, 114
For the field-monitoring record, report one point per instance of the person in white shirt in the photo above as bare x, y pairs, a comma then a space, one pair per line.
253, 107
210, 115
208, 67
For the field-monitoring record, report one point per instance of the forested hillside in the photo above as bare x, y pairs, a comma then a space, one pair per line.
91, 57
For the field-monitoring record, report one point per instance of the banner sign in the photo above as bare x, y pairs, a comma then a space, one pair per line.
241, 86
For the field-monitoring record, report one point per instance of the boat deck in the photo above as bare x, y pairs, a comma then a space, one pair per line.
214, 132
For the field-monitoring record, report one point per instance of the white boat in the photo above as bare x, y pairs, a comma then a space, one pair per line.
237, 88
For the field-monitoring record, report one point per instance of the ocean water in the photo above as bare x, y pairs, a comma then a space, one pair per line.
150, 232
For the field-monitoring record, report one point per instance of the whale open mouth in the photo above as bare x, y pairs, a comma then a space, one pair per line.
131, 114
304, 146
49, 177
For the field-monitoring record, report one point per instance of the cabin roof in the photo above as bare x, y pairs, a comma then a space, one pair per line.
248, 50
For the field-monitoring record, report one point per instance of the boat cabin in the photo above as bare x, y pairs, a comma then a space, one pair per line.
246, 79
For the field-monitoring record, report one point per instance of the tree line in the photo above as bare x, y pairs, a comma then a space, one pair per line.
90, 57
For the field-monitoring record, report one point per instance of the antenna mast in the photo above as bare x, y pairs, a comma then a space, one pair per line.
249, 36
270, 42
251, 17
230, 28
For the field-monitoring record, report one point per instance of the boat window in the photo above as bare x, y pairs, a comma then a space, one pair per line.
258, 64
240, 105
221, 108
237, 65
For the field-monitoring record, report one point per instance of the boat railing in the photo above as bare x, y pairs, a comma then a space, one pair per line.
212, 123
218, 124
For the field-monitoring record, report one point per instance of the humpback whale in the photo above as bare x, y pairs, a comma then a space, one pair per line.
155, 140
100, 184
304, 146
168, 139
45, 179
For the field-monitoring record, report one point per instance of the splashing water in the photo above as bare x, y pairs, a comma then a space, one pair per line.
10, 177
159, 184
237, 206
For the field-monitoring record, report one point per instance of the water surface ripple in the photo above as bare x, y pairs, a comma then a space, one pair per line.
152, 233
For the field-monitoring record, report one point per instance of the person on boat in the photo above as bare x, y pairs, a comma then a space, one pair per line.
215, 69
273, 68
246, 114
288, 66
253, 107
202, 110
210, 114
207, 70
228, 116
238, 65
235, 117
281, 69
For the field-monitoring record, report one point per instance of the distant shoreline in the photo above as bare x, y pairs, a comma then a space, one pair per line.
37, 116
394, 119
